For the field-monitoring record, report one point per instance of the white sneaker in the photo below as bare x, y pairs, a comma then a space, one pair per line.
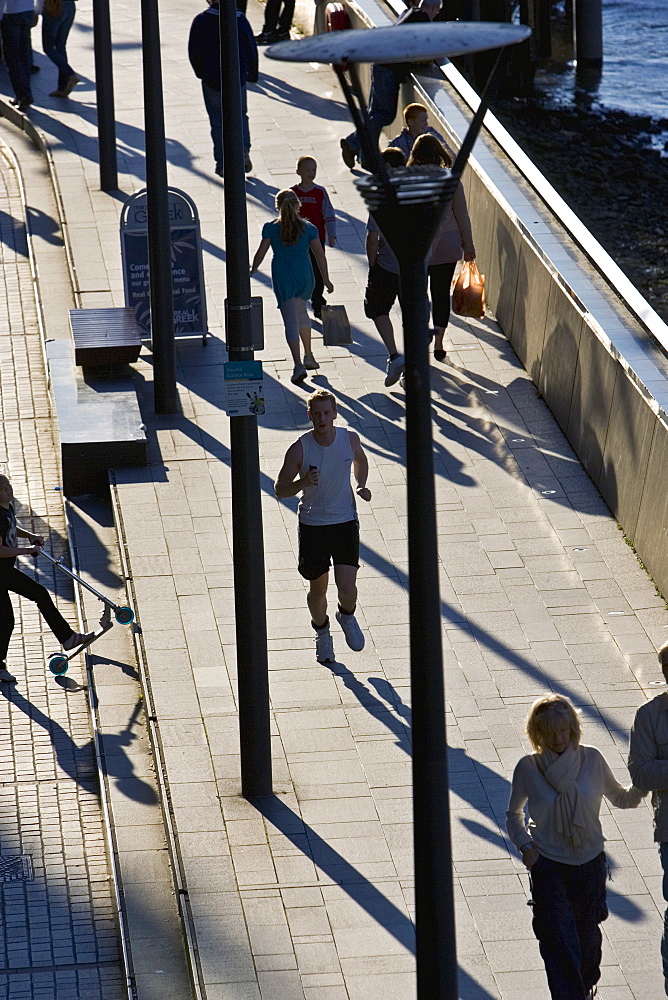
310, 363
351, 630
324, 645
5, 676
77, 639
298, 374
395, 369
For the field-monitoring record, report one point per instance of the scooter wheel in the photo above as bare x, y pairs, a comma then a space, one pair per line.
125, 616
58, 664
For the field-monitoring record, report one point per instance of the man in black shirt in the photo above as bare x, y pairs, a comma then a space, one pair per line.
12, 579
386, 79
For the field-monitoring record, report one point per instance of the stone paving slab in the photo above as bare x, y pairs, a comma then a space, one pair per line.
309, 895
58, 927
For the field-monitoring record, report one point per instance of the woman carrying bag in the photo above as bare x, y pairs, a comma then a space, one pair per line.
453, 237
562, 785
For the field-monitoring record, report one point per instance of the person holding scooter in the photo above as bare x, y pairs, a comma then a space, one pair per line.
14, 581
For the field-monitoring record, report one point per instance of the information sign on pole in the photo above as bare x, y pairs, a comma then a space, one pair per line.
243, 384
187, 269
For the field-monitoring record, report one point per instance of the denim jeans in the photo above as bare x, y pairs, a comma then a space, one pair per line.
568, 905
663, 854
383, 101
17, 50
212, 103
54, 40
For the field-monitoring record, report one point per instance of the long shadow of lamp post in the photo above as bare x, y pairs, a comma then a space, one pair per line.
409, 205
247, 540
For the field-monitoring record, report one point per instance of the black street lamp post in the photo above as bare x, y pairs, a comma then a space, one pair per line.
157, 202
247, 540
408, 205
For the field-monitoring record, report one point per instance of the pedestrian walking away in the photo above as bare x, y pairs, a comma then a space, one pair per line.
319, 465
648, 767
204, 55
562, 785
386, 80
55, 30
382, 287
317, 208
453, 238
291, 238
18, 19
14, 581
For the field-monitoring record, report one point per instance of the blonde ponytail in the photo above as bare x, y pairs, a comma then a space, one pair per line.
292, 224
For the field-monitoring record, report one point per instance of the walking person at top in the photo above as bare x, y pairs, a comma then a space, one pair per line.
648, 767
204, 55
19, 17
12, 579
386, 80
561, 786
319, 465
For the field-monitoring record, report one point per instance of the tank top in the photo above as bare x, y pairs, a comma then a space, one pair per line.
332, 501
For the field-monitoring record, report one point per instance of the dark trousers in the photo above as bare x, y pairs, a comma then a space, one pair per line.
568, 905
272, 20
663, 854
54, 40
317, 297
17, 50
440, 283
14, 580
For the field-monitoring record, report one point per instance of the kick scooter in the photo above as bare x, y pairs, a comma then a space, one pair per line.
59, 662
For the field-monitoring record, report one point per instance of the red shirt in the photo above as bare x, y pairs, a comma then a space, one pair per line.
317, 208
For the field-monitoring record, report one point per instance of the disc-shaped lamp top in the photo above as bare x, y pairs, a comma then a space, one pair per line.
403, 43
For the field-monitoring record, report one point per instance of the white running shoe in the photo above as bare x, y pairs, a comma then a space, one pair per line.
351, 630
395, 369
324, 645
298, 374
310, 363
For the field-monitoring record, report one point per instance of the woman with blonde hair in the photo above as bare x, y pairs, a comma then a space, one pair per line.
562, 785
291, 237
453, 237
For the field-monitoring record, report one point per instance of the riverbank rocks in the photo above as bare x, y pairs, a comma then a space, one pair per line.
605, 166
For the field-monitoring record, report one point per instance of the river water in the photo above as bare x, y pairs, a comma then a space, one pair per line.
635, 63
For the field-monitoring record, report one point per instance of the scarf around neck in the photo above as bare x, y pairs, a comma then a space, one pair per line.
569, 814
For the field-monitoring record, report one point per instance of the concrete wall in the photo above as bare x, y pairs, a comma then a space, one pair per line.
594, 365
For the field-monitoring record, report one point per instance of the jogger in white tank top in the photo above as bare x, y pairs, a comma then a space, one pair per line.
319, 465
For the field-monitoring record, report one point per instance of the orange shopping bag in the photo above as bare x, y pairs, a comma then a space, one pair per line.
468, 297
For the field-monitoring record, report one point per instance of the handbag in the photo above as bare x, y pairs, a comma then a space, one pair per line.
53, 8
335, 327
468, 297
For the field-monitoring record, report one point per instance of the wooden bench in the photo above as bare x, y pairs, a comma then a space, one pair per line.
99, 423
104, 337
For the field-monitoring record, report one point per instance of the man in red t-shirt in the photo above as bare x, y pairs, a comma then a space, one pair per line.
317, 208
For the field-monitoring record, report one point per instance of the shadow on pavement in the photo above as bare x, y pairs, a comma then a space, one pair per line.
367, 896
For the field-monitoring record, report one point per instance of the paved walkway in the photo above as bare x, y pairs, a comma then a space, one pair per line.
58, 930
309, 895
